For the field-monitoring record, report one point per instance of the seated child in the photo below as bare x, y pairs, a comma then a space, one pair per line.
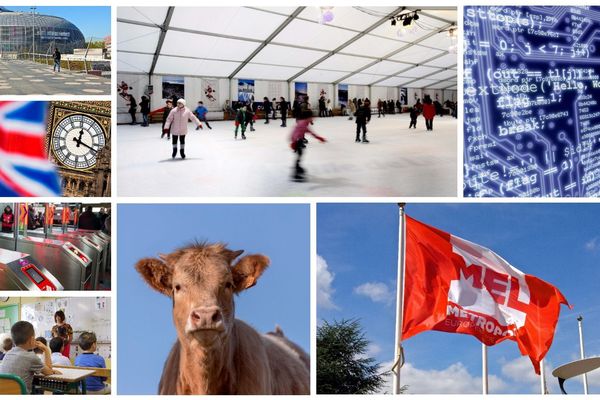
21, 361
87, 343
7, 344
57, 346
39, 352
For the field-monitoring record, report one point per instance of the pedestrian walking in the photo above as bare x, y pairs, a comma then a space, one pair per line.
56, 57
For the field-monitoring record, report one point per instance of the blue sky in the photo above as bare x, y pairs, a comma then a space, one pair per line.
92, 21
282, 295
560, 243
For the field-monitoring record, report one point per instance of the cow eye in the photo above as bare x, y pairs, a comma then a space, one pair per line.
177, 288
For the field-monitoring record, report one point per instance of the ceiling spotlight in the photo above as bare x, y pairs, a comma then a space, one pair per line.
326, 15
407, 21
416, 16
393, 21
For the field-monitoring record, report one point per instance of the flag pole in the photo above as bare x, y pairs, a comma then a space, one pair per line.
580, 324
484, 369
542, 377
398, 355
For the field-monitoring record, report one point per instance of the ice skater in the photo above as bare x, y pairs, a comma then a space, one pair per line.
283, 107
380, 108
132, 109
428, 112
166, 112
177, 122
413, 118
145, 110
266, 108
363, 116
242, 119
251, 109
201, 112
298, 143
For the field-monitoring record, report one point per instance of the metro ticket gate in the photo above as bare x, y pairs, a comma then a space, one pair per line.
19, 271
95, 252
103, 240
99, 238
65, 261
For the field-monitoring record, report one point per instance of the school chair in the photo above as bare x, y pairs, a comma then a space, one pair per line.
12, 384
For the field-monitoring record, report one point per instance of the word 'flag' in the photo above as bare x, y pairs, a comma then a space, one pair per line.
25, 170
457, 286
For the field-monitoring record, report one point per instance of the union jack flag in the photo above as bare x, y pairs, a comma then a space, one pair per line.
25, 170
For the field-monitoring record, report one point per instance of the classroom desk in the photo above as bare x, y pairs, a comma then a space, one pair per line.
69, 379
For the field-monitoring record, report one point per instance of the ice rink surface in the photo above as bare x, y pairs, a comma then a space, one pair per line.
396, 162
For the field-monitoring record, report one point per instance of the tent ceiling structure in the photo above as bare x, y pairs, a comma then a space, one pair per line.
359, 46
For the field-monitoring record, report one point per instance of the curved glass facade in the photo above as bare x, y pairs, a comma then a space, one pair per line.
26, 32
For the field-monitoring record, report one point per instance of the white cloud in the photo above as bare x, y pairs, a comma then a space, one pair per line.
324, 285
593, 377
455, 379
520, 371
377, 291
593, 244
372, 350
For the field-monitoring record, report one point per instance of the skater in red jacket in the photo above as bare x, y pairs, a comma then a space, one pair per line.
428, 112
298, 143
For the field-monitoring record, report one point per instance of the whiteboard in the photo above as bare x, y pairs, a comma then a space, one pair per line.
82, 313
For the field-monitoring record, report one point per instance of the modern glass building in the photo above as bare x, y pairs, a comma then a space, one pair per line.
27, 32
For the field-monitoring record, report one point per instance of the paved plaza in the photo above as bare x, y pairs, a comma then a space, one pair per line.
20, 77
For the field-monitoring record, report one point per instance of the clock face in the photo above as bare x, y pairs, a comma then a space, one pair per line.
76, 141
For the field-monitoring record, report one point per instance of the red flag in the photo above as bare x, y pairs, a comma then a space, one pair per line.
454, 285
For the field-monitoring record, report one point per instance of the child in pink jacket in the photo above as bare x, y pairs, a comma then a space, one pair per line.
298, 144
177, 121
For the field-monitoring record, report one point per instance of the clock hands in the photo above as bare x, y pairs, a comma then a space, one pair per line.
80, 142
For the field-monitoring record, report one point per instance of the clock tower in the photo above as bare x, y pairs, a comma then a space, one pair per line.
78, 143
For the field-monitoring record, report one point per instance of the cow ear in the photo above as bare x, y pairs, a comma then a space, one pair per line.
157, 274
247, 271
231, 255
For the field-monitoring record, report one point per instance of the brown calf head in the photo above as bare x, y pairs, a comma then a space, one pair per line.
202, 279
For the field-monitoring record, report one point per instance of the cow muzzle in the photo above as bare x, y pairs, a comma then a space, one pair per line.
205, 320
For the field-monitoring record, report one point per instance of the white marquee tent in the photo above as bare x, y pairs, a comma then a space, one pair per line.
358, 47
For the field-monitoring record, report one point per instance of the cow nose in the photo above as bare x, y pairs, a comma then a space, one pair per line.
206, 318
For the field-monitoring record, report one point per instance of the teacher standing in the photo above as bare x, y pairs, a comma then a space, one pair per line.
64, 331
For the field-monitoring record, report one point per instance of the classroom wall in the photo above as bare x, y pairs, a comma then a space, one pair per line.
83, 314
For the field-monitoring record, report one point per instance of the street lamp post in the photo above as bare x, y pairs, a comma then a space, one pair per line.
33, 31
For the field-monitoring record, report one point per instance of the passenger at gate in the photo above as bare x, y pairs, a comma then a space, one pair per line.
89, 221
8, 219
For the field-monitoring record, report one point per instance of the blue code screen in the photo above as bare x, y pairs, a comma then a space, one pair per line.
531, 93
